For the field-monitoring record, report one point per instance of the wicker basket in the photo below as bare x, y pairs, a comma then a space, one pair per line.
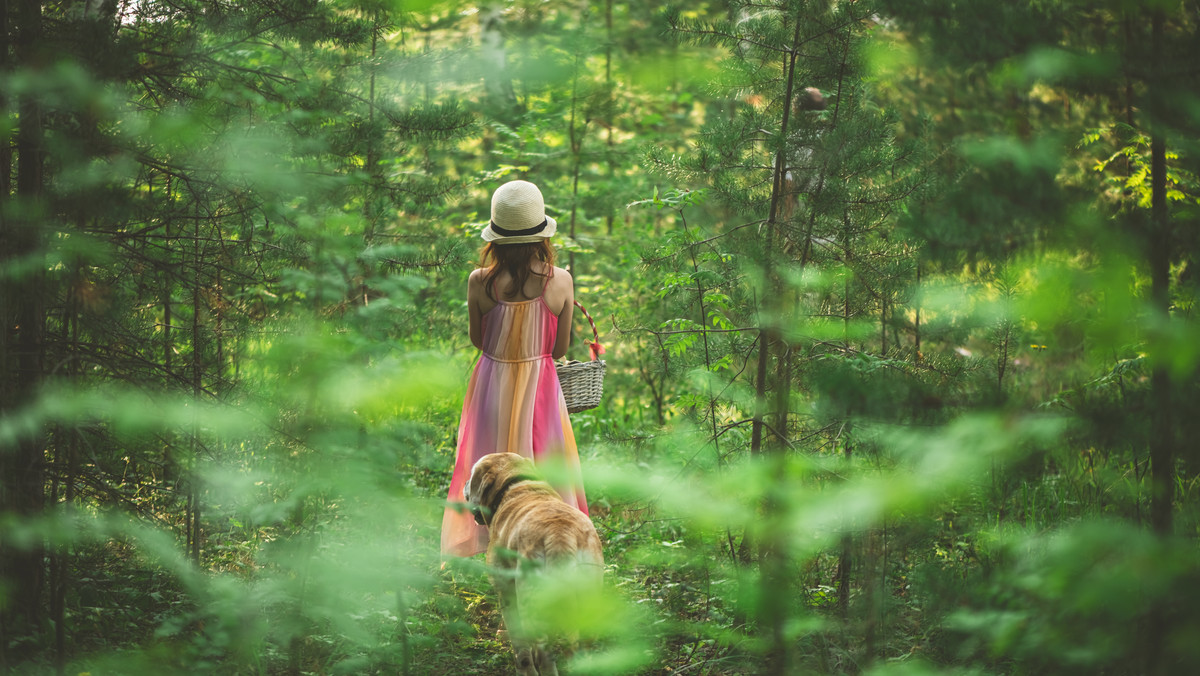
583, 381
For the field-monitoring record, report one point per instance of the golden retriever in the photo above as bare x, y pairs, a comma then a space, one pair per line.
532, 536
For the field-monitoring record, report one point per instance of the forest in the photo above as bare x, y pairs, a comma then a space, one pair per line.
897, 300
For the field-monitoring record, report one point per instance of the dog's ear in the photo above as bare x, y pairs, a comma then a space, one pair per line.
472, 507
476, 486
478, 489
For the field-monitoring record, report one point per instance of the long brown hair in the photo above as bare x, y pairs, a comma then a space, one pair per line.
517, 261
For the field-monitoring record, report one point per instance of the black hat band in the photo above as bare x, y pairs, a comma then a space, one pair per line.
504, 232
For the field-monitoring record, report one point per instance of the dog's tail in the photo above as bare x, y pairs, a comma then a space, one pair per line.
569, 556
567, 548
570, 578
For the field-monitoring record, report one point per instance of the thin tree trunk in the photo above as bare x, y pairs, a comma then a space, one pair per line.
193, 512
846, 557
848, 260
576, 142
167, 347
56, 577
66, 458
760, 393
845, 561
170, 467
771, 300
1163, 436
370, 212
883, 308
1162, 444
608, 42
700, 290
917, 316
1002, 362
772, 560
6, 149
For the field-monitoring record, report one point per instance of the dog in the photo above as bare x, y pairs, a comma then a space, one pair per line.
533, 536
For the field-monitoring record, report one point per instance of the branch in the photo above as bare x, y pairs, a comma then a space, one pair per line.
657, 259
669, 333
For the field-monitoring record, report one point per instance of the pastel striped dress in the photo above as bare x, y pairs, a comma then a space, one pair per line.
514, 403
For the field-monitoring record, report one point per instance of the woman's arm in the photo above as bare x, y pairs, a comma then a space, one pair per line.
566, 290
474, 313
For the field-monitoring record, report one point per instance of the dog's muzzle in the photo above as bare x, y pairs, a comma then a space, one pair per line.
477, 512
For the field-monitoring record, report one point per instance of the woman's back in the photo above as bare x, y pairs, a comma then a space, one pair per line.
537, 285
543, 308
518, 331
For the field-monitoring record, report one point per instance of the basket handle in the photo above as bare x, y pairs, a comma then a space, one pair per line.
594, 347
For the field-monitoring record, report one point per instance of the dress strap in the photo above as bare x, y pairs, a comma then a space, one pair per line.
517, 361
546, 285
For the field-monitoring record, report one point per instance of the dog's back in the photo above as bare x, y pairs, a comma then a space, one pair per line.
544, 529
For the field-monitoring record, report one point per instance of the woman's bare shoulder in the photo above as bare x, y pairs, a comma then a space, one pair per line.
562, 276
559, 291
475, 284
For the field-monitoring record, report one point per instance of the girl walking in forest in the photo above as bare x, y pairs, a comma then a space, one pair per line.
520, 307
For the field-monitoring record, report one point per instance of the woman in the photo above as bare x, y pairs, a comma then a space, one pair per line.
520, 308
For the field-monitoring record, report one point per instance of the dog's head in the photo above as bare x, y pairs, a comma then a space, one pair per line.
491, 477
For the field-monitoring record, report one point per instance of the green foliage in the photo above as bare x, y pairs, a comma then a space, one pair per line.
889, 383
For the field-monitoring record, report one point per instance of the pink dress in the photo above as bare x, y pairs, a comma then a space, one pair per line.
514, 403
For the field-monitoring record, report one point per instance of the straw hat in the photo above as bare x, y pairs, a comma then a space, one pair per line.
518, 215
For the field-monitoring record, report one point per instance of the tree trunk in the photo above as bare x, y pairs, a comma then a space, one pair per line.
371, 210
575, 135
22, 467
1163, 434
66, 454
917, 318
493, 57
1162, 442
609, 121
773, 566
193, 511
